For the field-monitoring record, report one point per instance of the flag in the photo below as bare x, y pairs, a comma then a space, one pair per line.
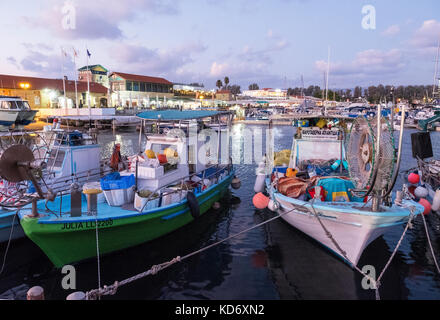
88, 53
75, 53
64, 53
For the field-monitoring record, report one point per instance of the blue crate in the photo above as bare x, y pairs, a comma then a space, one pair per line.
114, 181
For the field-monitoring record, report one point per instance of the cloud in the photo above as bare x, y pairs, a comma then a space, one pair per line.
142, 60
42, 60
427, 36
96, 19
391, 31
367, 64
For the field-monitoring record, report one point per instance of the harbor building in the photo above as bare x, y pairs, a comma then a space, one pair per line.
224, 95
95, 73
266, 93
131, 90
49, 93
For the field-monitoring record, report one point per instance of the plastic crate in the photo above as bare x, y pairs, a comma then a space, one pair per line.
150, 173
112, 182
117, 198
141, 204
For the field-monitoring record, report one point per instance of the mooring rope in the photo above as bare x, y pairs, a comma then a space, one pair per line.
376, 282
430, 245
112, 289
97, 252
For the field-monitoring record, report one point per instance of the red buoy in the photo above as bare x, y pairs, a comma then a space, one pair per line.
414, 178
260, 201
425, 203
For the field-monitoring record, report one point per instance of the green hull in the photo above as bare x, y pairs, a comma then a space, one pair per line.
65, 242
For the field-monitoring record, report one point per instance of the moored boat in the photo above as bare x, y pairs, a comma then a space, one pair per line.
335, 189
165, 188
14, 110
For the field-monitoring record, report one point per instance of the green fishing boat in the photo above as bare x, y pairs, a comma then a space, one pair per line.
173, 181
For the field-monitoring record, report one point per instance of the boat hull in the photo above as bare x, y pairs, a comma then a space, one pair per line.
25, 117
67, 242
7, 117
352, 228
6, 223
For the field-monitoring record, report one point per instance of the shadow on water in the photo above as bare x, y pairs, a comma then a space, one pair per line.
188, 279
303, 269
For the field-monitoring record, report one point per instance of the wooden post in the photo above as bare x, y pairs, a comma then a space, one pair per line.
35, 293
114, 126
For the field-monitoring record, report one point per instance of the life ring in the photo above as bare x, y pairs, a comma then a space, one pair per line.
193, 205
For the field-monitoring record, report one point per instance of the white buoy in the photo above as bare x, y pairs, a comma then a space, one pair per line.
436, 201
76, 296
273, 206
35, 293
259, 182
421, 192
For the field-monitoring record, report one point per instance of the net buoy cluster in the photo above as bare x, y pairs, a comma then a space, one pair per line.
421, 193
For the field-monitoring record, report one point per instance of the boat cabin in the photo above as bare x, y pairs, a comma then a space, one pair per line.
318, 140
181, 145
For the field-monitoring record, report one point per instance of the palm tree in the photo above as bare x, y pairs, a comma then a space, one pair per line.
219, 84
226, 82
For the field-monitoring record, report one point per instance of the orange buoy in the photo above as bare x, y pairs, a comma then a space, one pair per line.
290, 173
260, 201
425, 203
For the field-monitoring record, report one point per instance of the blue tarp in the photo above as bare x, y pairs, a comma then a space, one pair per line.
338, 190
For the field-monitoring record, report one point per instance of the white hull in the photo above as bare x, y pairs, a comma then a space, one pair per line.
352, 231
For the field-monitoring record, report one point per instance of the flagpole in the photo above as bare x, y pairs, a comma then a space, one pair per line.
63, 55
88, 87
76, 78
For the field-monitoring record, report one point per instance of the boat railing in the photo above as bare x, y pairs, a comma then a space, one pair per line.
183, 186
61, 184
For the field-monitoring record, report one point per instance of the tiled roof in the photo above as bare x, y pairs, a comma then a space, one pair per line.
13, 82
135, 77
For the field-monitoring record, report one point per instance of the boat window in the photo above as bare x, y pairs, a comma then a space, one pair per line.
9, 105
56, 159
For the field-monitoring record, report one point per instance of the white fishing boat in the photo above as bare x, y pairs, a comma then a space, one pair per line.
14, 110
323, 187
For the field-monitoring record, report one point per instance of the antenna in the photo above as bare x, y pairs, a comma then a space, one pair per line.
328, 72
436, 70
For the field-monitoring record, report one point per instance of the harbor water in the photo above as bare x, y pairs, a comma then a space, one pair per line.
272, 262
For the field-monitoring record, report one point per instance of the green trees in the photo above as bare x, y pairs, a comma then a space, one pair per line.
374, 94
219, 84
254, 86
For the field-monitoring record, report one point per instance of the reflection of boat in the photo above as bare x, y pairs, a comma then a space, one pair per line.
14, 110
169, 192
324, 198
305, 271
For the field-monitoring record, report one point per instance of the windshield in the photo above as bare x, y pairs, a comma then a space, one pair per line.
23, 105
